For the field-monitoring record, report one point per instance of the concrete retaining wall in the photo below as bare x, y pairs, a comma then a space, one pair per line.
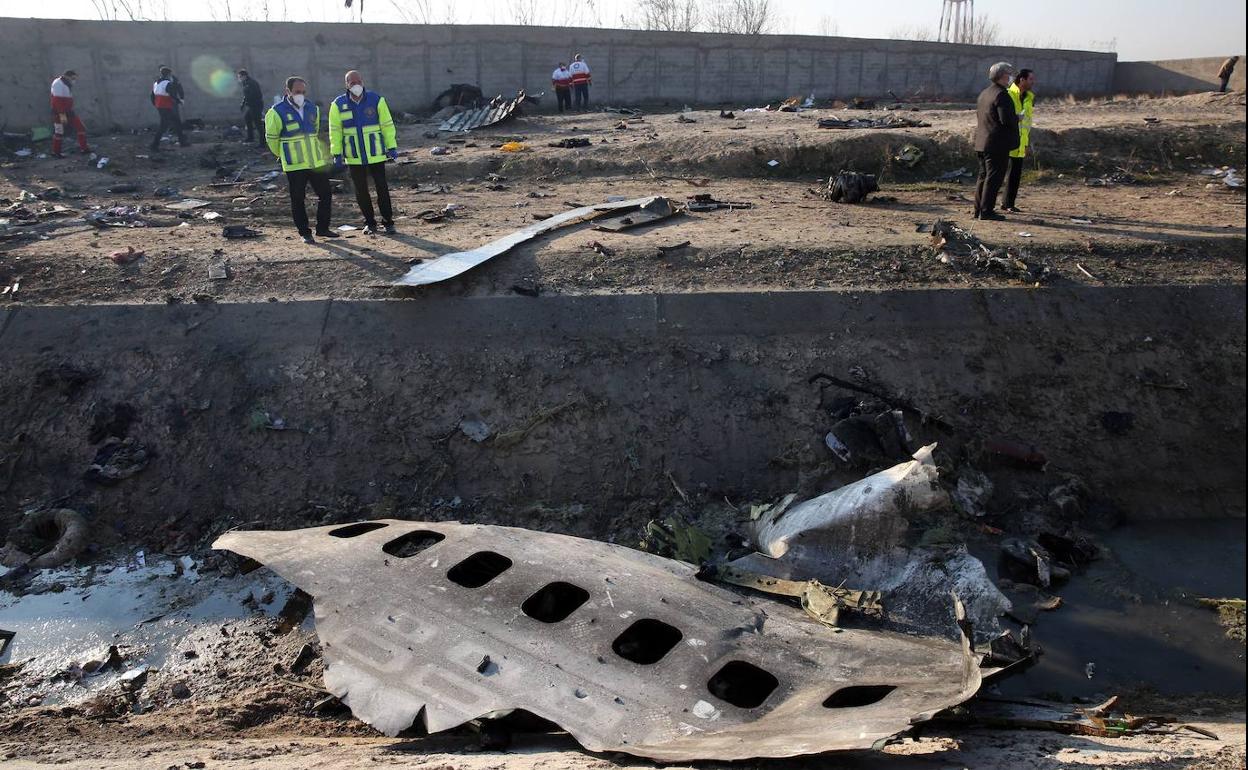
1176, 76
411, 64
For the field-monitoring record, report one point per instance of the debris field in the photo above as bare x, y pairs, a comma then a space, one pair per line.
714, 436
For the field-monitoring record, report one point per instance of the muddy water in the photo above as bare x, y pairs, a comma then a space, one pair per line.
1134, 615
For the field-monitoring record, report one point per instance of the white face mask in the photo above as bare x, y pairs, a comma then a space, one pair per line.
298, 99
356, 90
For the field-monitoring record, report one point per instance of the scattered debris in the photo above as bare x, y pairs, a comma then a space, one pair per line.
888, 121
598, 248
707, 202
116, 460
678, 540
1016, 453
219, 270
187, 204
727, 115
513, 147
909, 156
497, 111
571, 143
451, 265
823, 603
956, 175
1109, 180
643, 607
655, 210
117, 216
1064, 718
850, 187
239, 231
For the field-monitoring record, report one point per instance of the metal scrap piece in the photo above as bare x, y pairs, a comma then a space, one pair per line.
657, 209
821, 602
451, 265
625, 650
498, 110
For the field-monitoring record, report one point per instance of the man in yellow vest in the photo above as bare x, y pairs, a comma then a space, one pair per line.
1024, 99
362, 137
292, 131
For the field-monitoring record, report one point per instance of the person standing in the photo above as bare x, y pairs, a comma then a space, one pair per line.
362, 137
580, 81
996, 135
252, 107
63, 113
561, 79
1225, 72
291, 129
1023, 95
167, 95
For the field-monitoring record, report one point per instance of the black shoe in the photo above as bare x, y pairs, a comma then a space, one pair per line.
370, 229
327, 233
1012, 209
57, 155
307, 238
391, 229
991, 216
975, 215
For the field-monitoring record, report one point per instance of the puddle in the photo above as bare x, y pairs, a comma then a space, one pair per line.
150, 609
1164, 640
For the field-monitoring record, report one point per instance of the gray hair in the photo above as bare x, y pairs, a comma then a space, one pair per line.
999, 69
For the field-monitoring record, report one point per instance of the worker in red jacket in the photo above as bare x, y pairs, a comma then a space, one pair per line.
561, 79
63, 113
167, 97
580, 81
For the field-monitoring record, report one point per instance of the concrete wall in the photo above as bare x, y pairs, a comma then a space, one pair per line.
1176, 76
413, 63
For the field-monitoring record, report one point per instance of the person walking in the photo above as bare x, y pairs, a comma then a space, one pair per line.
996, 135
252, 107
561, 79
1023, 95
581, 80
1225, 72
362, 137
291, 130
167, 95
63, 114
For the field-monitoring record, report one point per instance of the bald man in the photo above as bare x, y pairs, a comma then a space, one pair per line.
362, 138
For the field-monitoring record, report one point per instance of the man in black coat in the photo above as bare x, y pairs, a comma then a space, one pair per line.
996, 136
252, 107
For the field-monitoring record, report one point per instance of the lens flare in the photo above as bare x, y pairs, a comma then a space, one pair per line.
212, 75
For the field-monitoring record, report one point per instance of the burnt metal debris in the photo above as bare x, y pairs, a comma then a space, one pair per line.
497, 111
451, 265
625, 650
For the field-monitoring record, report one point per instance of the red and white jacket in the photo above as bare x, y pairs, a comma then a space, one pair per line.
160, 90
62, 96
561, 77
580, 72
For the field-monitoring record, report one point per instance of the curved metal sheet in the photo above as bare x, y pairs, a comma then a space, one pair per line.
410, 638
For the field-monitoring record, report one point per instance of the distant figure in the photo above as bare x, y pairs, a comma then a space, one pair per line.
561, 79
996, 135
167, 96
252, 107
292, 130
580, 81
1023, 94
63, 114
1224, 73
362, 138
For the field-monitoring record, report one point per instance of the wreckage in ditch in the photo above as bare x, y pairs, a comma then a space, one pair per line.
434, 624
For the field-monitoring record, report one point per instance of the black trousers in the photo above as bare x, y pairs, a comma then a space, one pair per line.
1225, 81
582, 94
169, 121
299, 181
254, 123
992, 170
564, 96
359, 179
1012, 180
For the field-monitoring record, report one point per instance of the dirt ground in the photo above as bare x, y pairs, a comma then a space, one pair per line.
246, 705
1171, 226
